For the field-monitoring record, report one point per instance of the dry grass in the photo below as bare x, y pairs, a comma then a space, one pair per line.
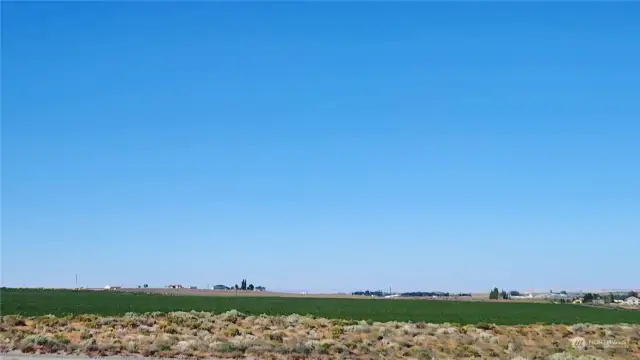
236, 335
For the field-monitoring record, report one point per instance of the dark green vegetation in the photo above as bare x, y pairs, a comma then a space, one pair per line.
31, 302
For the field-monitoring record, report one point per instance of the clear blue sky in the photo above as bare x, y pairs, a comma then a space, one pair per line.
322, 146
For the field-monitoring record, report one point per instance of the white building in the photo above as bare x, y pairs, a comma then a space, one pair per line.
523, 296
632, 300
550, 296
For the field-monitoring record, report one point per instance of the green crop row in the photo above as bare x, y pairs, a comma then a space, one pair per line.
31, 302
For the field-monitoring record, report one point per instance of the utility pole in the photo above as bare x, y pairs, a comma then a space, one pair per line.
76, 281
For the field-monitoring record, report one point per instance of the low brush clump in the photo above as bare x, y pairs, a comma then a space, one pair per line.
234, 335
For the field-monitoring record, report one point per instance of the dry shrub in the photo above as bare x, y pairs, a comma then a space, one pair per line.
13, 320
233, 334
276, 336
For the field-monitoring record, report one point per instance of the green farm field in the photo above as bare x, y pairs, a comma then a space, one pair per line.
32, 302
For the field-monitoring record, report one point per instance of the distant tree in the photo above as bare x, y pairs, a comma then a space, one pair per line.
632, 293
563, 292
494, 294
588, 297
514, 293
611, 298
236, 286
250, 287
504, 295
145, 286
243, 284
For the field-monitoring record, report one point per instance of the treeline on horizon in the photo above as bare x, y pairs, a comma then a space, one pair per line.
381, 293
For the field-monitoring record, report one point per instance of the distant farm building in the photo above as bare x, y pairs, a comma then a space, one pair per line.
522, 296
260, 288
551, 296
632, 300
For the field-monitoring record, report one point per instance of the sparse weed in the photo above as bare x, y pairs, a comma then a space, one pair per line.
276, 336
231, 332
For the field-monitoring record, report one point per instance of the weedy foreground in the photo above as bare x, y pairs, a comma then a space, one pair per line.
233, 334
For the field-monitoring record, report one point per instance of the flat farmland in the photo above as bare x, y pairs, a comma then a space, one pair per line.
33, 302
227, 293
